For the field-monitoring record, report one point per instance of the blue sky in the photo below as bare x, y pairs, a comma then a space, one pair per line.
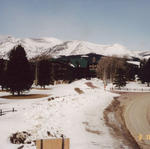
100, 21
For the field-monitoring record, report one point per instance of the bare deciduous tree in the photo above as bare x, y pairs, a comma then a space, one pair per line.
107, 67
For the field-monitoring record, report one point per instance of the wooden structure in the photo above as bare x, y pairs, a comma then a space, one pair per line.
53, 144
4, 112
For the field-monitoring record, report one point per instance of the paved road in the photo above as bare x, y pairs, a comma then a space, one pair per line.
137, 118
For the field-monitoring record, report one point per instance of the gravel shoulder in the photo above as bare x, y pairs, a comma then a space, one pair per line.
128, 117
137, 118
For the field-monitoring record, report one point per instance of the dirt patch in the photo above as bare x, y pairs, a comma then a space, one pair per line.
113, 116
3, 91
93, 131
78, 90
89, 84
90, 130
30, 96
20, 138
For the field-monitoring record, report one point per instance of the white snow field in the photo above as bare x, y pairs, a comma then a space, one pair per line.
131, 86
77, 116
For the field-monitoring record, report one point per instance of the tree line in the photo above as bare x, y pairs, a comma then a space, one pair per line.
17, 74
118, 71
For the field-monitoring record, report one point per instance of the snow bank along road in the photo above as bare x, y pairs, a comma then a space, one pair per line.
77, 116
137, 118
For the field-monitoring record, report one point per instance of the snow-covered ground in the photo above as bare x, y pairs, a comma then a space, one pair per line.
131, 86
77, 116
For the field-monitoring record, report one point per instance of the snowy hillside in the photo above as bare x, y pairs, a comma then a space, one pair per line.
82, 47
145, 54
56, 47
33, 46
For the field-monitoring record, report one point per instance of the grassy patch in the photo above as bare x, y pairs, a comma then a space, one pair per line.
3, 91
89, 84
30, 96
78, 90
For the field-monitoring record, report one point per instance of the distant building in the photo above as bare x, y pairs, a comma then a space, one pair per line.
61, 71
85, 65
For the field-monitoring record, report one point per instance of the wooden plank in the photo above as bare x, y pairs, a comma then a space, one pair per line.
38, 144
52, 144
66, 143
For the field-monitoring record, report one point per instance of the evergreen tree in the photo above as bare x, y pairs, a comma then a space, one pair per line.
141, 72
44, 73
144, 71
4, 80
68, 73
131, 71
119, 79
147, 72
2, 73
19, 75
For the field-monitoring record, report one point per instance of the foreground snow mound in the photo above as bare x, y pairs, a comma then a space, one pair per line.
76, 116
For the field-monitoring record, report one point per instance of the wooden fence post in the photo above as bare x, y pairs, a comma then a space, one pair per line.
41, 144
62, 141
1, 112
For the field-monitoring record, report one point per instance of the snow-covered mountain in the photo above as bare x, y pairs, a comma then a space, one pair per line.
144, 54
82, 47
55, 47
33, 46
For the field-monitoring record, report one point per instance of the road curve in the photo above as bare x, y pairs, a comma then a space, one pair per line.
137, 118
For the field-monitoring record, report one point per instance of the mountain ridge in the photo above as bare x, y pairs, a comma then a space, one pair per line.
55, 47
